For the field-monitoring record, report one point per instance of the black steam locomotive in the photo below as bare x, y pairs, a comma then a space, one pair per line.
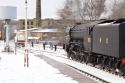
99, 43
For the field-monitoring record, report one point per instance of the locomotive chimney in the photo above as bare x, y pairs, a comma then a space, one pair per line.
38, 13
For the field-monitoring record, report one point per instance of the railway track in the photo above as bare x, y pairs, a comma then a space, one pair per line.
90, 75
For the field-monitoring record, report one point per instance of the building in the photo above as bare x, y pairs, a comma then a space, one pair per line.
47, 25
48, 29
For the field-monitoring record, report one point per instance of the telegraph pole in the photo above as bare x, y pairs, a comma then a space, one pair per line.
26, 57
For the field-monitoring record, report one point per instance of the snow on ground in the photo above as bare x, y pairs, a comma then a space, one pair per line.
12, 69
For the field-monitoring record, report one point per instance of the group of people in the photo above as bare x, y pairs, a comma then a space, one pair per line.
51, 46
44, 45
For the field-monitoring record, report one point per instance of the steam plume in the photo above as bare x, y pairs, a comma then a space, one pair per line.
108, 9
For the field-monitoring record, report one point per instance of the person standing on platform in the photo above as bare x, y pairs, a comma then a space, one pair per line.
63, 46
55, 47
44, 45
32, 44
51, 45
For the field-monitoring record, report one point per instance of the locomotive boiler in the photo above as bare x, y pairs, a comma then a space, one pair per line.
100, 43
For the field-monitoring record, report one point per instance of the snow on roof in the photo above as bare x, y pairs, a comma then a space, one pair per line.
31, 29
104, 24
46, 30
35, 38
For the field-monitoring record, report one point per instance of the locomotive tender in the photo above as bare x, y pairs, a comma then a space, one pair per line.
99, 43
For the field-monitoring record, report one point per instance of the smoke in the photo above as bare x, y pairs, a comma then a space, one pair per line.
109, 6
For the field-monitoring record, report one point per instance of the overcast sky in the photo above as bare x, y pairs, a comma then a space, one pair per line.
49, 7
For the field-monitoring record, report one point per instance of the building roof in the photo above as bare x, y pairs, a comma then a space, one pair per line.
46, 30
31, 29
33, 38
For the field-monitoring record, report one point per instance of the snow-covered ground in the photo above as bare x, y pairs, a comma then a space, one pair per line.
12, 68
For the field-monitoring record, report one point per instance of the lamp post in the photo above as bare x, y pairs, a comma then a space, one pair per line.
26, 58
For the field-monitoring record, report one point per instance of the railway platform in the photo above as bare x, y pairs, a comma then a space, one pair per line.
67, 70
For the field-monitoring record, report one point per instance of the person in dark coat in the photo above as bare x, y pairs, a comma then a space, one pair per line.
32, 43
55, 47
44, 45
63, 46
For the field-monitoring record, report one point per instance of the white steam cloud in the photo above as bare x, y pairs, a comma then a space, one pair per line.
109, 5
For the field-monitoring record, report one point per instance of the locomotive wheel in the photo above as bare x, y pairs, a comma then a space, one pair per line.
117, 66
120, 73
108, 64
77, 56
101, 62
112, 69
122, 70
87, 59
72, 57
68, 55
113, 65
82, 58
94, 60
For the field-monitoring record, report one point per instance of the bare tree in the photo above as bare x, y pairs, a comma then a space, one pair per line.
89, 9
118, 9
96, 7
99, 8
82, 9
66, 12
